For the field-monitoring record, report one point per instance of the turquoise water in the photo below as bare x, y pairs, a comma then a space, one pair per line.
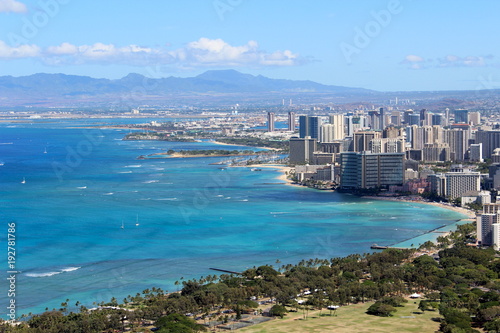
191, 215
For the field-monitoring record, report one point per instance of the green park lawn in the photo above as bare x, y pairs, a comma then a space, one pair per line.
352, 318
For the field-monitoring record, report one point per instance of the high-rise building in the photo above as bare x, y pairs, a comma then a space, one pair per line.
474, 118
270, 121
414, 119
455, 183
387, 145
309, 126
396, 118
490, 141
337, 120
382, 119
314, 127
484, 227
362, 140
476, 152
436, 152
304, 126
437, 119
461, 116
327, 133
458, 140
301, 150
406, 117
291, 121
367, 170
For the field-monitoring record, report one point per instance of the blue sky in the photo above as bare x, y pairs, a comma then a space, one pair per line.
389, 45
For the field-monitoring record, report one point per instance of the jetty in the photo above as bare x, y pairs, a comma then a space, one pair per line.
225, 271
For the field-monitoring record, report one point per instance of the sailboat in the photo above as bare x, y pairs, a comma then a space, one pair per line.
123, 227
45, 151
137, 221
24, 181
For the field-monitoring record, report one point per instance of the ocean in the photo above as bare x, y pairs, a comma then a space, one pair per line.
94, 222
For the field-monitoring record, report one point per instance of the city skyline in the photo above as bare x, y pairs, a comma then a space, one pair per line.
392, 45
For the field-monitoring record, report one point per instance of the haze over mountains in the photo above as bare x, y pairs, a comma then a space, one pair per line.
214, 87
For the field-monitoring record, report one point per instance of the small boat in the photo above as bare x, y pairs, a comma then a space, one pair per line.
24, 181
255, 169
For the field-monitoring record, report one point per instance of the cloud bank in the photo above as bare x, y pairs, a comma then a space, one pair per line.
204, 52
12, 6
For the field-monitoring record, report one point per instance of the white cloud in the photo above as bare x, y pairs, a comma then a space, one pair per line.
13, 6
413, 58
22, 51
204, 52
417, 62
216, 52
469, 61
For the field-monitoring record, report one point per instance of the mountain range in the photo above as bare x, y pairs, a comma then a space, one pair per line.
66, 90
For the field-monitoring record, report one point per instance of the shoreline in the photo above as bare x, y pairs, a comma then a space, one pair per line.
234, 144
284, 171
445, 230
464, 211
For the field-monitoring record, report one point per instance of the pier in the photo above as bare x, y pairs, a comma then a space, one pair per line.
225, 271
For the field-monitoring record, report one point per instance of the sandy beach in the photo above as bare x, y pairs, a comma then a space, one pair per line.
284, 170
471, 214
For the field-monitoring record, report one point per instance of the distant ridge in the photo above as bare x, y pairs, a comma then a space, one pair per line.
57, 89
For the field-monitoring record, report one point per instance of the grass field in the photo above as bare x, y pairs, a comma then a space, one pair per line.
350, 319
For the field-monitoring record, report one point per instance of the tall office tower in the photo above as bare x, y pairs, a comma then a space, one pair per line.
458, 140
301, 150
337, 120
461, 116
474, 118
396, 118
423, 115
362, 140
414, 119
406, 117
382, 121
490, 141
314, 127
291, 121
270, 121
367, 170
304, 126
327, 133
476, 154
437, 119
374, 119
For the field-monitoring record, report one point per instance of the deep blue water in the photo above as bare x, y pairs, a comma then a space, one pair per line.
191, 215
